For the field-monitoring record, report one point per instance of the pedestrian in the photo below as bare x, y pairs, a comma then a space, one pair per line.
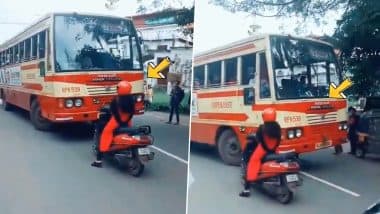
363, 129
176, 96
148, 96
353, 122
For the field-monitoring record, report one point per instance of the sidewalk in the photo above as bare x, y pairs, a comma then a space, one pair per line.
164, 117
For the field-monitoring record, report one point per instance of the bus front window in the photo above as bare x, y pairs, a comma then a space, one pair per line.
302, 68
89, 43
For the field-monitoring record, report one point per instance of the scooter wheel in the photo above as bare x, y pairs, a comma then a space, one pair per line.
285, 198
135, 168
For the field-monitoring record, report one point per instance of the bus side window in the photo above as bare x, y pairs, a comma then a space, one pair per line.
248, 69
34, 47
199, 77
214, 74
27, 49
230, 66
21, 56
42, 44
264, 78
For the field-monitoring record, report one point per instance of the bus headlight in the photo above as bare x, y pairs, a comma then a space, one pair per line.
139, 98
343, 126
78, 102
298, 132
69, 103
291, 134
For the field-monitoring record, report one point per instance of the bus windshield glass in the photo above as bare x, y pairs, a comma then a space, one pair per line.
302, 68
90, 43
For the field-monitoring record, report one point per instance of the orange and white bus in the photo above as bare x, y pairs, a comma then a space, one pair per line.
66, 66
233, 84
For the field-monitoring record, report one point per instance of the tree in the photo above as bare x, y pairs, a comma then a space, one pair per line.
358, 38
253, 28
277, 8
111, 4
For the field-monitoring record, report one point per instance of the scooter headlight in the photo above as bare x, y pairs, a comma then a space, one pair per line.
290, 134
69, 103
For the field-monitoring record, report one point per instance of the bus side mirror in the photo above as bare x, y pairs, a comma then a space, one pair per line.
41, 65
141, 41
249, 96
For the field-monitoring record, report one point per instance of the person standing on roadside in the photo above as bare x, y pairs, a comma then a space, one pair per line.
353, 122
176, 96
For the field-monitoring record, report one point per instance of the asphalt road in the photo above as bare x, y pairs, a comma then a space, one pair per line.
334, 184
51, 173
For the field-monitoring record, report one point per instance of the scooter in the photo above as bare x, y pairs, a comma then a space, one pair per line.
278, 176
130, 148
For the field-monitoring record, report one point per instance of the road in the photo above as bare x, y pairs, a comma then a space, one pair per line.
51, 173
334, 184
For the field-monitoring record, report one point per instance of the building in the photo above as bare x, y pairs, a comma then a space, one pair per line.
163, 37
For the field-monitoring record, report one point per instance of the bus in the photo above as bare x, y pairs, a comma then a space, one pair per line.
66, 66
234, 83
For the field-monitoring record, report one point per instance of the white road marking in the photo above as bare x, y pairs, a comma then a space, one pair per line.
170, 154
191, 179
330, 184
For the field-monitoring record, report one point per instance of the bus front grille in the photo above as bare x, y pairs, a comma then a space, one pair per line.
315, 119
101, 90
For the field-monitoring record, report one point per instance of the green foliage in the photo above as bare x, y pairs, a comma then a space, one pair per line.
358, 37
271, 8
161, 102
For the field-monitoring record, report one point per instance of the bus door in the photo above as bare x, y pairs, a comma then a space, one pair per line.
264, 90
249, 78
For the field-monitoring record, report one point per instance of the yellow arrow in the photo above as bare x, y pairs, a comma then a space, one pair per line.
155, 71
337, 92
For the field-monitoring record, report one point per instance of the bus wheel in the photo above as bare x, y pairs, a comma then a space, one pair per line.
4, 104
38, 121
229, 148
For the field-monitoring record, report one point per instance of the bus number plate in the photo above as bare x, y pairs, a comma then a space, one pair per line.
323, 144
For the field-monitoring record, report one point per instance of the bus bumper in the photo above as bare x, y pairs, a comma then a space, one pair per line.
73, 117
311, 146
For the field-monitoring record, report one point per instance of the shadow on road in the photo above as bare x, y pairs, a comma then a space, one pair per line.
206, 151
67, 132
75, 132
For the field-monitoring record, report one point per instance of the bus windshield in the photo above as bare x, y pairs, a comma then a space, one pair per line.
90, 43
302, 68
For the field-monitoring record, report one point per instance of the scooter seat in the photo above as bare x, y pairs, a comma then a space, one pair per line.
280, 157
127, 130
144, 130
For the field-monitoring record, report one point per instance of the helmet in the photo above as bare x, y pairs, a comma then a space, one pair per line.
124, 88
269, 115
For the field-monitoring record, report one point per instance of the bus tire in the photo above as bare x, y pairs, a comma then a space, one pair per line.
38, 121
229, 148
4, 104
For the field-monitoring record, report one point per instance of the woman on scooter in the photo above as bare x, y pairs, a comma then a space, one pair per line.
122, 109
268, 138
